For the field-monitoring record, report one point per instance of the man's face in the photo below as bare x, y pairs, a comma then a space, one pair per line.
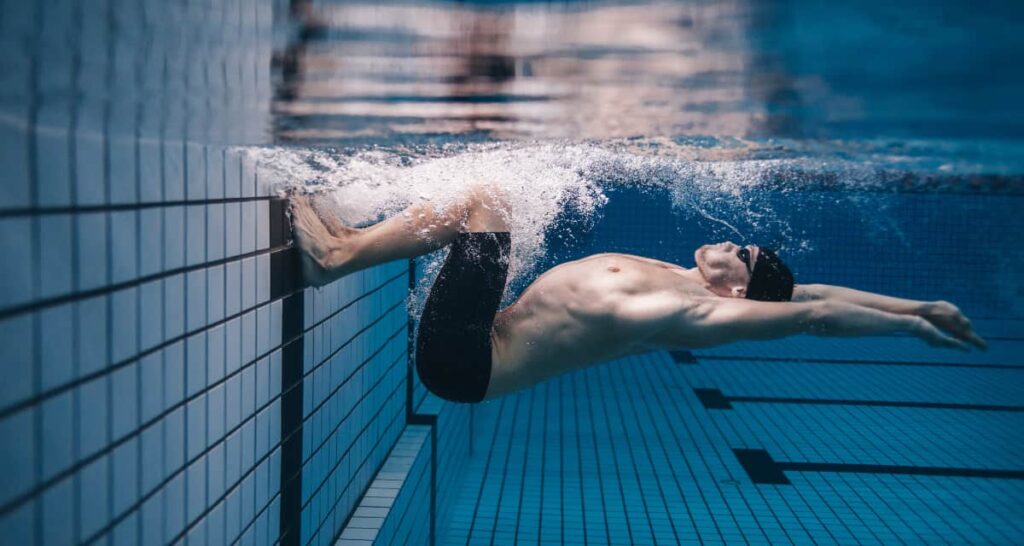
726, 267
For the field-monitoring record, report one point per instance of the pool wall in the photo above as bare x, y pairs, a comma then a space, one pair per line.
167, 378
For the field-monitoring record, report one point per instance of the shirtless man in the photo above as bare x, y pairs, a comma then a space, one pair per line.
594, 309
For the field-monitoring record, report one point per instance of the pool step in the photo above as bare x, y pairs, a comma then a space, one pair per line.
395, 509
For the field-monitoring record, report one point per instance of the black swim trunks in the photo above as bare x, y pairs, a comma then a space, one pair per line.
453, 347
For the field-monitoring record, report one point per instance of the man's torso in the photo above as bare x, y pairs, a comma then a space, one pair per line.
590, 310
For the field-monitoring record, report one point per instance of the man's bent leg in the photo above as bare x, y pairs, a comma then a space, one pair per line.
419, 229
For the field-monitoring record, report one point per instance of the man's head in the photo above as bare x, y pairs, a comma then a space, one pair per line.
750, 272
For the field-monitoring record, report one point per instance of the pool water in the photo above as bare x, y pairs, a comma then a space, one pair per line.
877, 147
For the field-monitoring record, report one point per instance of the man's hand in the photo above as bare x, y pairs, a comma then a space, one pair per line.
947, 317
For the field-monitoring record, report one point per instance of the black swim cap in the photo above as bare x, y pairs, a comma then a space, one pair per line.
771, 280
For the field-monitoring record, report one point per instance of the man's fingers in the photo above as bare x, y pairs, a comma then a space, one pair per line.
938, 338
977, 340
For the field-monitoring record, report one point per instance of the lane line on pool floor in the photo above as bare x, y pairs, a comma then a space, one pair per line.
761, 468
715, 399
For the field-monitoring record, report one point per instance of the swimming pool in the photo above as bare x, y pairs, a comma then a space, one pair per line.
170, 380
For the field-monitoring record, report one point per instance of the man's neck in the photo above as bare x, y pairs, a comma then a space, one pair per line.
693, 274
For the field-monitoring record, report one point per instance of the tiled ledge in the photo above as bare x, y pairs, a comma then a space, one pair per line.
396, 507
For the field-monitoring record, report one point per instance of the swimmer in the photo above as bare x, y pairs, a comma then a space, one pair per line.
595, 309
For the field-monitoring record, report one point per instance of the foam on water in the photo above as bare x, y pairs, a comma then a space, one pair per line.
722, 185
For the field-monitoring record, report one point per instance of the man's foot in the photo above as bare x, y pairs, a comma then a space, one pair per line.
330, 220
323, 254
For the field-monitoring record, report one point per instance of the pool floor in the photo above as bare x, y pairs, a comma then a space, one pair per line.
806, 440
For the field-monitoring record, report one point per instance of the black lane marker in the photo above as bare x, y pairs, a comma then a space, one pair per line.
799, 360
714, 399
286, 278
683, 357
762, 469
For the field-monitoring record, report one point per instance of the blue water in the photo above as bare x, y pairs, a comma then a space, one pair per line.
168, 380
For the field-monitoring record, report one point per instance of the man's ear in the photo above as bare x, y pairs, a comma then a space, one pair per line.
739, 291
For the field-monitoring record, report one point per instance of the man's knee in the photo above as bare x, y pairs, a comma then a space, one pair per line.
486, 208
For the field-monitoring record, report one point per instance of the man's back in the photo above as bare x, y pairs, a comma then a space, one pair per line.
590, 310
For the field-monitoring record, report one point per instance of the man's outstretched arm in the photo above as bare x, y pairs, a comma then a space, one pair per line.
941, 314
721, 320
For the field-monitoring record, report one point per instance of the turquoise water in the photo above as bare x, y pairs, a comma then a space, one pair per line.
169, 379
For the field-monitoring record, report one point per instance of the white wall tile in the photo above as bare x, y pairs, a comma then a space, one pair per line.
196, 299
89, 164
196, 353
53, 155
232, 229
93, 400
196, 427
173, 168
124, 324
91, 325
215, 232
215, 417
174, 508
151, 370
248, 227
248, 337
151, 188
174, 306
215, 172
14, 158
174, 441
153, 462
233, 288
174, 374
55, 255
58, 441
93, 492
174, 237
262, 278
195, 478
16, 335
17, 454
123, 184
232, 345
195, 228
123, 230
215, 354
262, 224
56, 361
126, 533
215, 294
195, 172
232, 174
58, 513
151, 320
150, 241
125, 467
16, 275
248, 283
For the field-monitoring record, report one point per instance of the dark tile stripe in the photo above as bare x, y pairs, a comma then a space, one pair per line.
683, 357
798, 360
714, 399
762, 469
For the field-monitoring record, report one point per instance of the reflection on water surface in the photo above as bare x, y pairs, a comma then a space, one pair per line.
362, 73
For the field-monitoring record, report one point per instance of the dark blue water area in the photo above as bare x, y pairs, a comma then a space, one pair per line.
899, 125
960, 248
798, 69
896, 69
